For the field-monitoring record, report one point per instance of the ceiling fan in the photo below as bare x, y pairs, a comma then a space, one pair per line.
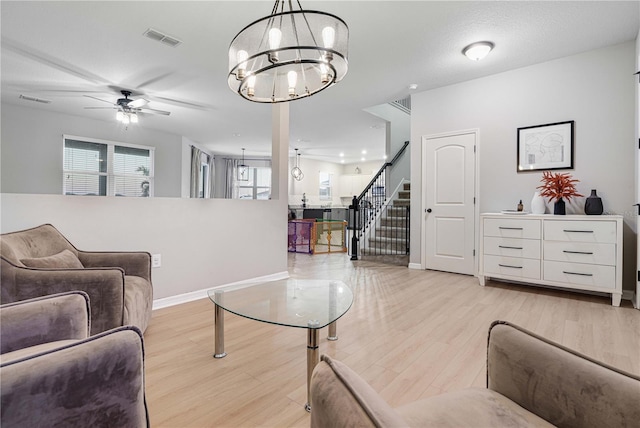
128, 108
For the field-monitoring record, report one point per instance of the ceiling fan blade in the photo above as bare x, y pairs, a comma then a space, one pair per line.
99, 99
138, 103
154, 111
101, 108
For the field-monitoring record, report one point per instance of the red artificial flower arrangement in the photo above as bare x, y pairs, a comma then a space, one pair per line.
557, 186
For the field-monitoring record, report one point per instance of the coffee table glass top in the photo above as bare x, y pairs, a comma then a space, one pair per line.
304, 303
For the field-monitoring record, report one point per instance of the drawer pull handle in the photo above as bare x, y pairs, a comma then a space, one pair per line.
577, 231
577, 252
509, 266
511, 248
510, 228
577, 273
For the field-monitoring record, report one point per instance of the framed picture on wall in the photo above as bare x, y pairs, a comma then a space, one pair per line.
544, 147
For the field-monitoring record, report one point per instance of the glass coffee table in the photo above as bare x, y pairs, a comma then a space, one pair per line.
302, 303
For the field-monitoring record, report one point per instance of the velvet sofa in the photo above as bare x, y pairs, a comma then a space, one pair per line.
531, 382
53, 374
41, 261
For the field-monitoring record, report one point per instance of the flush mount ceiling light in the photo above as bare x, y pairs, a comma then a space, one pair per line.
288, 55
243, 170
477, 51
296, 172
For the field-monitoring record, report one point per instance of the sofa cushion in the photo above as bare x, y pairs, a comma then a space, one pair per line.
65, 259
33, 350
336, 389
473, 407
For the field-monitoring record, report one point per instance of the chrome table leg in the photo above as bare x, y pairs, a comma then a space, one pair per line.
219, 332
333, 333
312, 360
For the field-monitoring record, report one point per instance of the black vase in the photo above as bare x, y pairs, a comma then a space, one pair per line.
559, 207
593, 204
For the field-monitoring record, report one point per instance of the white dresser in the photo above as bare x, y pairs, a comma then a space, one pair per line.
570, 251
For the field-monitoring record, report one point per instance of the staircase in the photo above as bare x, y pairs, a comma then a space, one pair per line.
387, 240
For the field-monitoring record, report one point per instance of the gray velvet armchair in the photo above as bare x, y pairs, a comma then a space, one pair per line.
41, 261
531, 382
52, 373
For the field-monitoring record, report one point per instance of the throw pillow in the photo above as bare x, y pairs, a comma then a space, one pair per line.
65, 259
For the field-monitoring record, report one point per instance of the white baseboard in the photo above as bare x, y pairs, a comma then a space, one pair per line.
201, 294
417, 266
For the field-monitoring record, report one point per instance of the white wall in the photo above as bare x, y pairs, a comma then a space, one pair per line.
398, 131
310, 184
203, 242
596, 89
32, 149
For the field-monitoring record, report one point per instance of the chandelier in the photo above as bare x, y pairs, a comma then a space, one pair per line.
296, 172
243, 170
290, 54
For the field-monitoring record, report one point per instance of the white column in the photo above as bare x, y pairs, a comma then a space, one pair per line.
280, 152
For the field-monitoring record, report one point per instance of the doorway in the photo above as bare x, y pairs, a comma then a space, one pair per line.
448, 201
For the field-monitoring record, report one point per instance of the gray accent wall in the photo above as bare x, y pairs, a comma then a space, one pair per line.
596, 89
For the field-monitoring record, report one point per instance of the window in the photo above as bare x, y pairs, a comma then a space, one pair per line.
104, 168
325, 186
258, 186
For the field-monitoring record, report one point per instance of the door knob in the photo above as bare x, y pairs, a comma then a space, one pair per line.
428, 210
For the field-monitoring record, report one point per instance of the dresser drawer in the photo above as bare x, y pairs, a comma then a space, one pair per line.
581, 274
512, 228
512, 247
580, 231
512, 266
580, 252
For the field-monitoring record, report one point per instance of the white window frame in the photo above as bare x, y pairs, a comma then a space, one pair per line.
253, 185
329, 195
110, 156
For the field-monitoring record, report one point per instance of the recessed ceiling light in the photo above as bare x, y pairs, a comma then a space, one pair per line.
364, 152
236, 134
413, 86
477, 51
362, 159
342, 161
341, 155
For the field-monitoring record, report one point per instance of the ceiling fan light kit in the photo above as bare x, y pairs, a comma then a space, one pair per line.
128, 108
288, 55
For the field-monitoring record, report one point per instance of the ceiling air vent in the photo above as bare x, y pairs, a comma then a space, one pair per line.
37, 100
161, 37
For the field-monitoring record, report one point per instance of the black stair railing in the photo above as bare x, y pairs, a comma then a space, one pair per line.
370, 208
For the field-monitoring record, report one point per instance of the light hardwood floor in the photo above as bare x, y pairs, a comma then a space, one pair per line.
410, 334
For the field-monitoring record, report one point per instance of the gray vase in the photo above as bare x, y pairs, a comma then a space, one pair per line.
593, 204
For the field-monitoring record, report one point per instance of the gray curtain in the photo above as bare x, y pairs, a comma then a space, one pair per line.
230, 189
212, 176
196, 155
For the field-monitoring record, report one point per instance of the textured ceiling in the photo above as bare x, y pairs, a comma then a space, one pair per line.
61, 51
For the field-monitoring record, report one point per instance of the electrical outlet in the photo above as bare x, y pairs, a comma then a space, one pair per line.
156, 260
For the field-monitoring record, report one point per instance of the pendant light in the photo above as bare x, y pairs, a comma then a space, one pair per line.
243, 170
296, 172
290, 54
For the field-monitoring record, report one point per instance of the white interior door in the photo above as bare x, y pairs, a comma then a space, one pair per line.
448, 180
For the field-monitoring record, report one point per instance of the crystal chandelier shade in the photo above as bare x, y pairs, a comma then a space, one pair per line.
288, 55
